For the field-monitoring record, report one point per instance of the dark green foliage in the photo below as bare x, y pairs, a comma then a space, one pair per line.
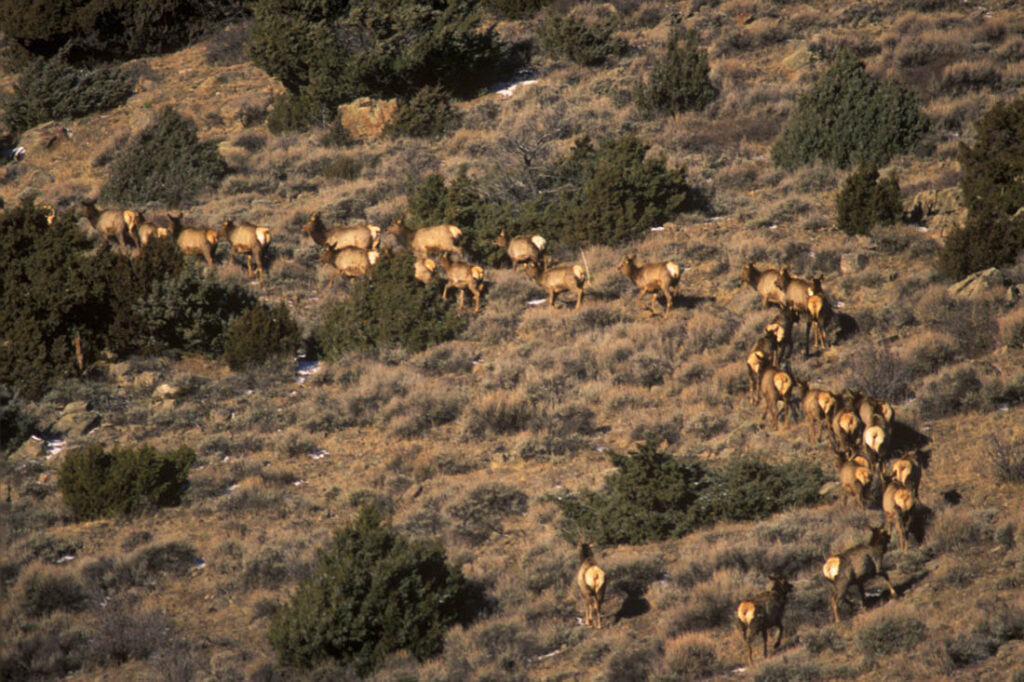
45, 591
613, 193
516, 9
259, 334
329, 52
391, 309
866, 201
371, 592
15, 424
586, 41
990, 179
654, 496
891, 634
165, 163
297, 112
847, 118
747, 489
678, 81
96, 482
429, 113
111, 29
52, 89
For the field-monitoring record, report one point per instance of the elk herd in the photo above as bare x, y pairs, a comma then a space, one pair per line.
871, 469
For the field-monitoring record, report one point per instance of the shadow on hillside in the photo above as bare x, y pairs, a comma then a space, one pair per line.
845, 326
905, 438
474, 602
634, 604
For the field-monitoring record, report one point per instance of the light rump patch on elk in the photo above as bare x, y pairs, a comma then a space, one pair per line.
758, 614
591, 580
462, 276
856, 566
110, 223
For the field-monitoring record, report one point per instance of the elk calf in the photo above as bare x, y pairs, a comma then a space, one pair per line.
462, 276
762, 612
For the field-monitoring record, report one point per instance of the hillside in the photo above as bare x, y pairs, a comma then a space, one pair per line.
473, 441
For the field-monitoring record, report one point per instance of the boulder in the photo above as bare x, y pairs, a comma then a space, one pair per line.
76, 407
982, 284
365, 117
852, 262
164, 392
77, 424
31, 450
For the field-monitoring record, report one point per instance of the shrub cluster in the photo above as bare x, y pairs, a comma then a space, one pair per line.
165, 163
391, 309
327, 53
96, 482
259, 334
655, 496
428, 113
112, 29
848, 117
866, 201
516, 9
990, 169
589, 41
53, 89
679, 81
371, 592
15, 424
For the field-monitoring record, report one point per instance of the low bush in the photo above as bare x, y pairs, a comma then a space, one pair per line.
259, 334
371, 592
391, 309
53, 90
865, 201
96, 482
47, 589
589, 41
164, 163
1006, 458
15, 424
480, 514
891, 633
428, 113
654, 496
679, 81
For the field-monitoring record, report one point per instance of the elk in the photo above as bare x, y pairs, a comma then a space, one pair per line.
557, 279
776, 385
765, 282
846, 430
854, 480
856, 566
898, 505
782, 329
365, 237
522, 250
462, 276
818, 406
348, 261
591, 581
249, 239
907, 471
759, 356
194, 241
819, 309
424, 270
109, 223
652, 278
875, 438
147, 231
426, 240
762, 612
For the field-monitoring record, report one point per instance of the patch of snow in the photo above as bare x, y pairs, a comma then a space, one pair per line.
537, 301
54, 447
505, 93
657, 228
65, 558
306, 369
319, 454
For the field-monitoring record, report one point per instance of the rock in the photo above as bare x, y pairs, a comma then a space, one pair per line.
981, 284
118, 371
365, 117
164, 392
32, 449
852, 262
144, 379
75, 407
77, 424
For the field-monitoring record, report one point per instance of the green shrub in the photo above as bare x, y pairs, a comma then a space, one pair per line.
654, 496
391, 309
371, 592
993, 233
96, 482
45, 590
165, 163
865, 201
590, 41
516, 9
428, 113
890, 634
679, 81
15, 424
328, 53
848, 117
112, 29
293, 112
259, 334
52, 89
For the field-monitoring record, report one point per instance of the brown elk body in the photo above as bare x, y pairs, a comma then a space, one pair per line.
462, 276
820, 311
765, 283
557, 279
522, 250
348, 261
246, 238
652, 278
776, 386
364, 237
194, 241
424, 270
591, 580
855, 567
426, 240
907, 471
898, 504
782, 329
854, 480
757, 615
818, 407
110, 223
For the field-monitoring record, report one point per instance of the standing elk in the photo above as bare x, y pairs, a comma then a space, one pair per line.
364, 237
194, 241
855, 567
765, 283
591, 580
248, 239
110, 223
348, 261
762, 612
557, 279
522, 250
462, 276
426, 240
652, 278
